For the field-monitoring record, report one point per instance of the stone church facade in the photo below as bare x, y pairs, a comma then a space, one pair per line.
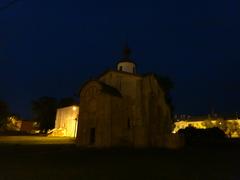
123, 108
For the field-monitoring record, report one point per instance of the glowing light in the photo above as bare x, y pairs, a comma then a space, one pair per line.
74, 108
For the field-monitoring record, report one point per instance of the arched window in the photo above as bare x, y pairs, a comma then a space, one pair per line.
92, 137
129, 124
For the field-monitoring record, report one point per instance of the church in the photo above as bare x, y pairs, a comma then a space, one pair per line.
123, 108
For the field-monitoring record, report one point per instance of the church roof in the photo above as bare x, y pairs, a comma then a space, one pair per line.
119, 72
109, 89
126, 60
105, 88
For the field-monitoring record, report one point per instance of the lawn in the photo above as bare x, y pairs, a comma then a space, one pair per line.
67, 161
34, 140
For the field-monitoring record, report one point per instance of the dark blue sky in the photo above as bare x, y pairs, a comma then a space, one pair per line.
50, 47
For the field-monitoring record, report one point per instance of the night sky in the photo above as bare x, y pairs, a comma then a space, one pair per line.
51, 47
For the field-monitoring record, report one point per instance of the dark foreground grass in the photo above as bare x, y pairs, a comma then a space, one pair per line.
42, 162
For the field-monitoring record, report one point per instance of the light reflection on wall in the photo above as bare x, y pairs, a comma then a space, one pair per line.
66, 122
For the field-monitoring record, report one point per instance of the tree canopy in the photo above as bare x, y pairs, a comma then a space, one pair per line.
167, 85
67, 101
4, 112
8, 4
44, 111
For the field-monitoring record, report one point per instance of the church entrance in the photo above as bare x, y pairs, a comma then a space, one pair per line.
92, 137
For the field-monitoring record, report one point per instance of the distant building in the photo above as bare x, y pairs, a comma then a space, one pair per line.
231, 127
29, 126
123, 108
15, 124
66, 122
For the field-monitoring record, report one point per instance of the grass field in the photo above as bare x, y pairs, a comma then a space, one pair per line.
34, 140
66, 161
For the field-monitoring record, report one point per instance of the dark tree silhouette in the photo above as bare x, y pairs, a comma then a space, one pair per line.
67, 101
4, 112
8, 4
209, 135
44, 111
167, 85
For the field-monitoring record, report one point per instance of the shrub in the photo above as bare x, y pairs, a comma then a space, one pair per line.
193, 135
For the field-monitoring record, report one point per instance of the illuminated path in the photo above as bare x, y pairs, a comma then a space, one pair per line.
38, 140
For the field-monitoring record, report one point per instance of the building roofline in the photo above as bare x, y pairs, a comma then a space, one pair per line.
126, 60
105, 88
120, 72
74, 105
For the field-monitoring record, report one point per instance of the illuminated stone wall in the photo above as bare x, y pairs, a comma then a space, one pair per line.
66, 121
230, 127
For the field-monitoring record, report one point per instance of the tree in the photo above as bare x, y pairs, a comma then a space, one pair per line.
44, 111
4, 113
209, 135
167, 85
67, 101
8, 4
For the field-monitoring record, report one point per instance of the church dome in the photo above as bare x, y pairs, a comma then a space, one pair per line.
126, 64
